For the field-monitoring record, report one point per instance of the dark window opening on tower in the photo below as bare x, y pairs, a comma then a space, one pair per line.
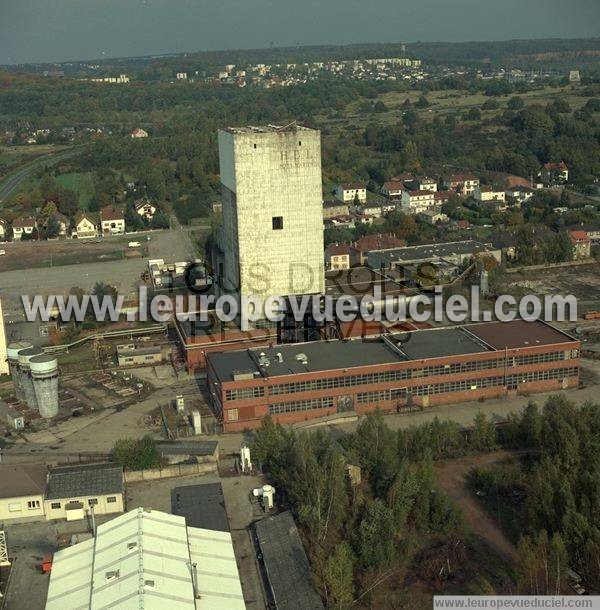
277, 223
255, 146
300, 143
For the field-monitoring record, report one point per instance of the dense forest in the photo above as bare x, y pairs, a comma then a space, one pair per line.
384, 539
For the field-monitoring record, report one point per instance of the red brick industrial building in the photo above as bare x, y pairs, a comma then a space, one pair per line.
395, 372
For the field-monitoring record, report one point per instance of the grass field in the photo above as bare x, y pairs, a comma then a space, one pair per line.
17, 154
443, 103
81, 183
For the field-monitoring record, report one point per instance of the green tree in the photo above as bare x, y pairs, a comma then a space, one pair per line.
515, 103
136, 454
339, 578
483, 434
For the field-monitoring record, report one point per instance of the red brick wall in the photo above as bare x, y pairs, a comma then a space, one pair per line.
254, 419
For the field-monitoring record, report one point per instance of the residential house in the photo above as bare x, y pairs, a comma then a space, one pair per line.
139, 133
377, 209
519, 194
340, 256
442, 197
424, 184
554, 173
334, 207
393, 189
403, 177
351, 192
145, 208
85, 226
72, 491
414, 202
487, 193
340, 221
3, 229
433, 216
61, 220
112, 221
22, 492
23, 226
464, 184
582, 244
592, 231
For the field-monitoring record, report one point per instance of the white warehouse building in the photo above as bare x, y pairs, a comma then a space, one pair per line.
272, 234
147, 559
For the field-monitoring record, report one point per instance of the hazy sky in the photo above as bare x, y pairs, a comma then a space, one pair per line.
59, 30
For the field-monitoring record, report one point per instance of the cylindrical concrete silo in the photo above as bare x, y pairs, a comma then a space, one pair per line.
44, 374
12, 351
25, 355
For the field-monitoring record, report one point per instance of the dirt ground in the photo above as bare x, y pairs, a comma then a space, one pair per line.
582, 281
452, 479
31, 254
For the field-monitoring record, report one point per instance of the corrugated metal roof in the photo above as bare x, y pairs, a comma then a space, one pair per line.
143, 559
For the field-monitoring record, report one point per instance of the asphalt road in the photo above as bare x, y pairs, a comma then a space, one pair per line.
8, 186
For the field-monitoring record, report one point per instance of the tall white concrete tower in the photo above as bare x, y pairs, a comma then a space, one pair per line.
272, 234
4, 369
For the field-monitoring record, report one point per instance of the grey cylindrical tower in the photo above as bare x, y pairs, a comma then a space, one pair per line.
12, 351
44, 374
25, 355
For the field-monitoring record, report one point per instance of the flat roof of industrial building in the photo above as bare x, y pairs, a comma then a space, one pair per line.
286, 564
435, 250
518, 333
84, 480
202, 506
437, 343
422, 344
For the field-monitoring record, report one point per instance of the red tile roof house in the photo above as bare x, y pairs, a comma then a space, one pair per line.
441, 197
393, 189
112, 221
464, 184
582, 244
23, 226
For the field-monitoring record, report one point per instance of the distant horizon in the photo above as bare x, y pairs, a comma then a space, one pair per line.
38, 31
408, 43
